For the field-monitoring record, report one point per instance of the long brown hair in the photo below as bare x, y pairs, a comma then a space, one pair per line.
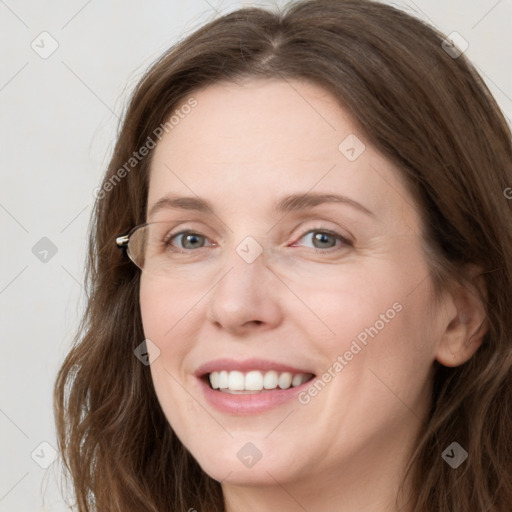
427, 112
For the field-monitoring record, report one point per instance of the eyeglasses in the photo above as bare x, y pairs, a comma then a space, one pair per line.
149, 247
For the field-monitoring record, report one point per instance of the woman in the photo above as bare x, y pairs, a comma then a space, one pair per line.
300, 277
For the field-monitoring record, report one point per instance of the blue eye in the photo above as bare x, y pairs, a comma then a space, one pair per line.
188, 240
325, 239
322, 240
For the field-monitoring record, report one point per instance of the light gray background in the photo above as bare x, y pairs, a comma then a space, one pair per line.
59, 118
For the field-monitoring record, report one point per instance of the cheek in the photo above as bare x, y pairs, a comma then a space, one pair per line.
166, 306
376, 317
166, 311
377, 365
154, 301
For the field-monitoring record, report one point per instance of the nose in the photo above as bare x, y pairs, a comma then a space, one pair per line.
246, 297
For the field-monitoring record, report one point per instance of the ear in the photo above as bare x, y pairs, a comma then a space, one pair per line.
467, 322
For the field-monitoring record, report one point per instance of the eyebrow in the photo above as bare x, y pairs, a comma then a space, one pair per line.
287, 204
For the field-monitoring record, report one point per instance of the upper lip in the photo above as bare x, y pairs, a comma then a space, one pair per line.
245, 366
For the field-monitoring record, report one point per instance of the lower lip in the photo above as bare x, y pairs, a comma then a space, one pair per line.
245, 404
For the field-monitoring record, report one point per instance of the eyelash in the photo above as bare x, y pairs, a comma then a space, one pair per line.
345, 241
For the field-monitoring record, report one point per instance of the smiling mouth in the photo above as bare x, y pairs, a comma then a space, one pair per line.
255, 381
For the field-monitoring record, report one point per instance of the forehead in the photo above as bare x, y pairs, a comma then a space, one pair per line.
250, 143
254, 122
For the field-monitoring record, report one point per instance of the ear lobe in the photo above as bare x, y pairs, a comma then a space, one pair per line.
466, 328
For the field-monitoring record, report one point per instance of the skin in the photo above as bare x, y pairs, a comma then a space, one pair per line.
242, 148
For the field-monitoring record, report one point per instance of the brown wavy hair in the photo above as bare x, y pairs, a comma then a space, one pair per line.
428, 113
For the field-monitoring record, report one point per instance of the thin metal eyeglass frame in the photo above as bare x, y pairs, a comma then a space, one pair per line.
122, 242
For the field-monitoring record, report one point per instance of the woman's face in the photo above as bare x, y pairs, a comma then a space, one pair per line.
283, 281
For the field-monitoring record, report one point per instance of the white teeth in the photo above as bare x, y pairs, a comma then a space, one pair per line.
297, 380
214, 380
270, 380
285, 380
236, 381
223, 379
254, 381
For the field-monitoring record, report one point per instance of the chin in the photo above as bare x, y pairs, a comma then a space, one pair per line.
244, 462
261, 474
